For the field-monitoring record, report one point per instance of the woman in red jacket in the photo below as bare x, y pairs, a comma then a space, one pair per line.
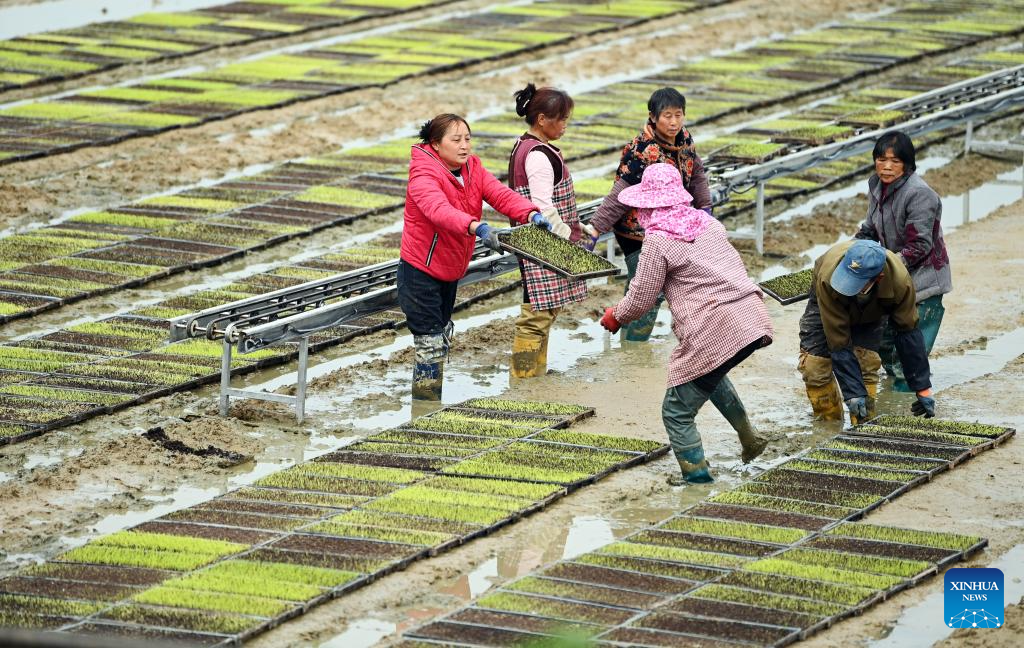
443, 209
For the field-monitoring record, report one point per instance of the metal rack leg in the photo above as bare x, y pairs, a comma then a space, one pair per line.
300, 392
759, 220
225, 377
968, 137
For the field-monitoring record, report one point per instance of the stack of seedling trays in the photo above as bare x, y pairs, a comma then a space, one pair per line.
789, 288
768, 563
554, 253
229, 568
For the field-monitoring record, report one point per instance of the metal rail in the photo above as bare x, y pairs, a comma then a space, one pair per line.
955, 105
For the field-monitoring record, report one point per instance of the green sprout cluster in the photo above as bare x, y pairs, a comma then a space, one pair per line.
429, 439
862, 472
178, 618
907, 432
48, 606
556, 251
857, 562
906, 449
936, 539
475, 426
952, 427
409, 449
738, 530
729, 594
297, 497
790, 285
214, 601
820, 572
672, 554
580, 592
846, 499
155, 550
358, 471
297, 480
598, 441
848, 595
894, 463
546, 607
739, 498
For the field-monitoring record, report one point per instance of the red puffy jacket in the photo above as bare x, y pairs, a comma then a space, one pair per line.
438, 211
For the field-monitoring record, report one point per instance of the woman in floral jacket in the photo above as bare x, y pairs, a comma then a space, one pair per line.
663, 139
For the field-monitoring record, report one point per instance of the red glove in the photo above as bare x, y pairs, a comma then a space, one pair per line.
609, 321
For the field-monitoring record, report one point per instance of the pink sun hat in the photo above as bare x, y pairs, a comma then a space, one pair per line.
660, 186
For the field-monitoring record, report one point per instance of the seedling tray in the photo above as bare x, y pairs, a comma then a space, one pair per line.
766, 286
558, 246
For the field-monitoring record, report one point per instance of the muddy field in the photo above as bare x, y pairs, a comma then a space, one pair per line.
82, 481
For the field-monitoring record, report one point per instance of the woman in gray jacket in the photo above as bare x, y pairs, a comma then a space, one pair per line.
904, 215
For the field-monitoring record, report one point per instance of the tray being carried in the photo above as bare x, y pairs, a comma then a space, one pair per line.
555, 254
789, 288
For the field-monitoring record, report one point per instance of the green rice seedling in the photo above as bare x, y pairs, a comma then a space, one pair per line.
530, 407
213, 601
780, 504
857, 562
878, 118
757, 151
300, 481
744, 596
112, 267
173, 20
674, 570
922, 434
952, 427
424, 493
578, 591
151, 336
895, 463
24, 359
136, 94
473, 428
125, 220
820, 134
556, 251
209, 205
790, 285
298, 497
545, 607
553, 451
7, 308
784, 567
525, 491
167, 542
356, 471
674, 554
845, 499
207, 581
451, 416
10, 430
152, 558
935, 539
489, 467
901, 449
210, 349
409, 449
27, 620
384, 520
813, 589
175, 618
403, 536
598, 441
348, 197
852, 471
740, 530
141, 119
429, 439
73, 395
472, 514
49, 606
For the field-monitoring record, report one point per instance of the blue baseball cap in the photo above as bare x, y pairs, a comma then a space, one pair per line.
861, 263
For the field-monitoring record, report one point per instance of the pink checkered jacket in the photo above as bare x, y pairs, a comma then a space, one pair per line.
716, 309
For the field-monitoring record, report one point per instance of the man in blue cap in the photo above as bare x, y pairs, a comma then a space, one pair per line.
856, 287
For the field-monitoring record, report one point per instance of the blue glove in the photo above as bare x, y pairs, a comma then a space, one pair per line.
925, 406
538, 219
858, 408
488, 236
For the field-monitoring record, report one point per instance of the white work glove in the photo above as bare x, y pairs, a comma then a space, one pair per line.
558, 228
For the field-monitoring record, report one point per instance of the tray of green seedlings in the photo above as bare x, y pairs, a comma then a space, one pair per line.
881, 461
895, 542
899, 448
873, 119
910, 477
556, 254
753, 514
652, 449
364, 456
473, 425
750, 152
997, 433
680, 628
563, 411
797, 472
848, 499
974, 444
789, 288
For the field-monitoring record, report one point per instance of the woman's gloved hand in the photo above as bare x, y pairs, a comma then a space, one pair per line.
609, 322
538, 219
488, 236
591, 234
925, 405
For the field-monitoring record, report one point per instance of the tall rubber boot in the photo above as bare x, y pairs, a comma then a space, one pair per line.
693, 468
525, 356
871, 400
542, 356
870, 363
727, 401
427, 380
826, 402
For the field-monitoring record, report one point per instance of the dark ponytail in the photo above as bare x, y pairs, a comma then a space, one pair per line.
553, 103
433, 130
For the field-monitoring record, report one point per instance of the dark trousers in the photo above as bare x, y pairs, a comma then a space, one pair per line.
427, 302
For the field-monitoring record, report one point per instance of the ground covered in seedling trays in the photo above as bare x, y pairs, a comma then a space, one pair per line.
767, 563
53, 56
233, 566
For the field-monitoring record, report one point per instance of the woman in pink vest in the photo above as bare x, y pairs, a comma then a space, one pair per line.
537, 170
443, 209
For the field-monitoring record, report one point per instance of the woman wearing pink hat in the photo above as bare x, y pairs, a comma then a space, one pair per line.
718, 313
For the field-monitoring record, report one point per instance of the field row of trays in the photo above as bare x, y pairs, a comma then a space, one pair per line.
53, 56
113, 114
92, 368
717, 85
768, 563
131, 244
224, 570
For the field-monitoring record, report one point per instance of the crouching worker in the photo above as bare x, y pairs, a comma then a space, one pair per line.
856, 287
718, 313
443, 208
